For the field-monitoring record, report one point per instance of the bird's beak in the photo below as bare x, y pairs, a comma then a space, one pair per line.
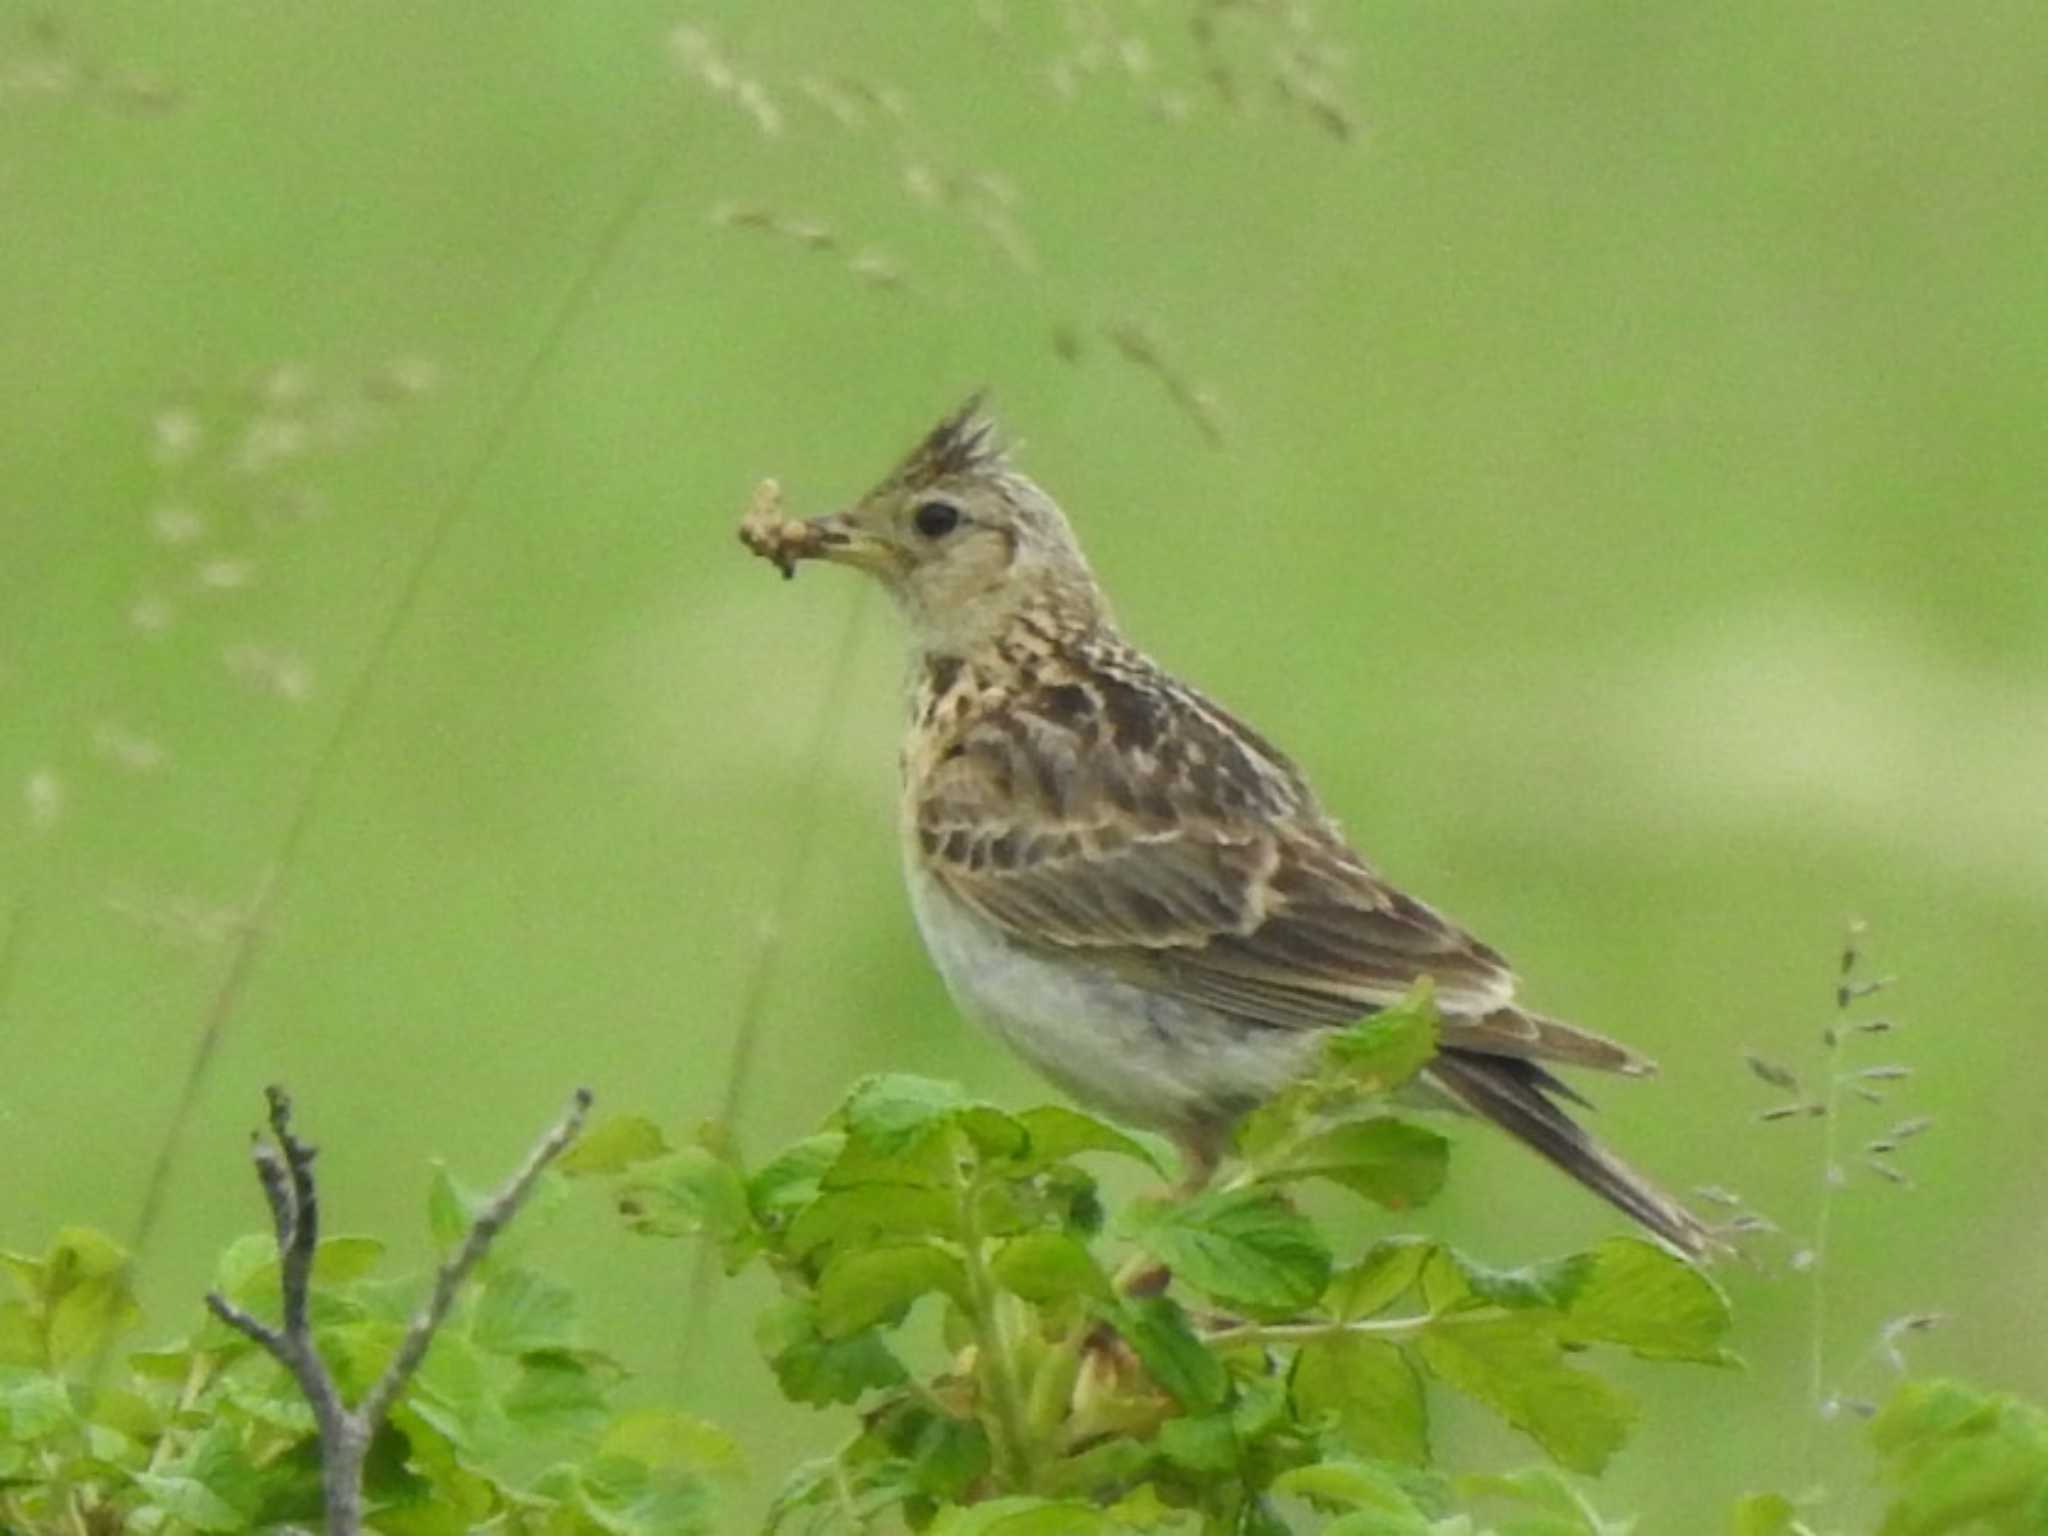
837, 537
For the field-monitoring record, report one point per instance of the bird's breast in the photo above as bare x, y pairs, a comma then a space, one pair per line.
1140, 1056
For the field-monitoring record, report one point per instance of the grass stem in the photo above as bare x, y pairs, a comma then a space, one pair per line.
245, 947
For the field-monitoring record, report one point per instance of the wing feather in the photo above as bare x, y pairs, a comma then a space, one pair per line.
1132, 819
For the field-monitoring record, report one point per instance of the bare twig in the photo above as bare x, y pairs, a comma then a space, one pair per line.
284, 1167
483, 1230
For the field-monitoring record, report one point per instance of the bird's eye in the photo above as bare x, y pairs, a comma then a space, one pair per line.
936, 519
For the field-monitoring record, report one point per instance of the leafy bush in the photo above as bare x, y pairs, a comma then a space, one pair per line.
511, 1421
1019, 1363
1233, 1362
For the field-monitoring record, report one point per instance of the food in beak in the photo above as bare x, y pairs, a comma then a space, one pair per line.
777, 537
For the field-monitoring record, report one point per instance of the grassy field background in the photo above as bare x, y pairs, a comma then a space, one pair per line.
1612, 464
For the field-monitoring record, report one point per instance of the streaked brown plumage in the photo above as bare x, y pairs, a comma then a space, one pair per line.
1136, 889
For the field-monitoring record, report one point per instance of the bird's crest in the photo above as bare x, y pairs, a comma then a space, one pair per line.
965, 443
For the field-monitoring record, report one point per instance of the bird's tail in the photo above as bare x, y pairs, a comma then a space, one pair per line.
1515, 1095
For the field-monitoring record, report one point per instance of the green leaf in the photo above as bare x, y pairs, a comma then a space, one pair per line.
555, 1393
894, 1111
25, 1270
1923, 1417
1388, 1161
1959, 1456
357, 1352
1350, 1485
86, 1296
454, 1386
87, 1316
1259, 1407
1451, 1280
814, 1369
1363, 1062
791, 1180
1022, 1517
287, 1492
191, 1501
613, 1145
1075, 1198
78, 1254
211, 1483
137, 1416
1046, 1267
865, 1286
454, 1500
415, 1491
997, 1135
1278, 1121
251, 1274
166, 1362
626, 1497
247, 1257
1646, 1299
1383, 1050
32, 1403
1005, 1207
1559, 1508
1764, 1514
1058, 1133
1181, 1363
684, 1192
515, 1244
1200, 1443
1142, 1510
1373, 1523
942, 1456
1115, 1460
1248, 1248
267, 1397
933, 1164
1515, 1366
450, 1210
21, 1335
1370, 1389
809, 1482
520, 1312
1387, 1271
343, 1260
857, 1217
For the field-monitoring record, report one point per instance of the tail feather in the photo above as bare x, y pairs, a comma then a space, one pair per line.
1513, 1094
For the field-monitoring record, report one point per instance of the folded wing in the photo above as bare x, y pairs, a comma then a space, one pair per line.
1126, 816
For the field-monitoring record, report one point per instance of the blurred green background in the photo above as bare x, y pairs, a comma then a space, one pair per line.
1602, 442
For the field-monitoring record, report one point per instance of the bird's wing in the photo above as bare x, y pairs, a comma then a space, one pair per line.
1147, 828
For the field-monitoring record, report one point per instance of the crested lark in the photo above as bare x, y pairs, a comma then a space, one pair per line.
1139, 893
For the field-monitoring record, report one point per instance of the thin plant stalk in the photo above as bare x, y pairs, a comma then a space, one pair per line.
245, 947
739, 1076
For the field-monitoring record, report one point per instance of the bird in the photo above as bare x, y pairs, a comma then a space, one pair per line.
1130, 886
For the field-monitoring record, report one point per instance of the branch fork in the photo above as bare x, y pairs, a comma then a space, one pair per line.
284, 1170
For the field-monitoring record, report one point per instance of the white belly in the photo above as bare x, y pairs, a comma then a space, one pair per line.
1137, 1055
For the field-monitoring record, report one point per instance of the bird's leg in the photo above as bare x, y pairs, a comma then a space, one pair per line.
1200, 1156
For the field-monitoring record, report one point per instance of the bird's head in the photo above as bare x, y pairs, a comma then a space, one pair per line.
962, 541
